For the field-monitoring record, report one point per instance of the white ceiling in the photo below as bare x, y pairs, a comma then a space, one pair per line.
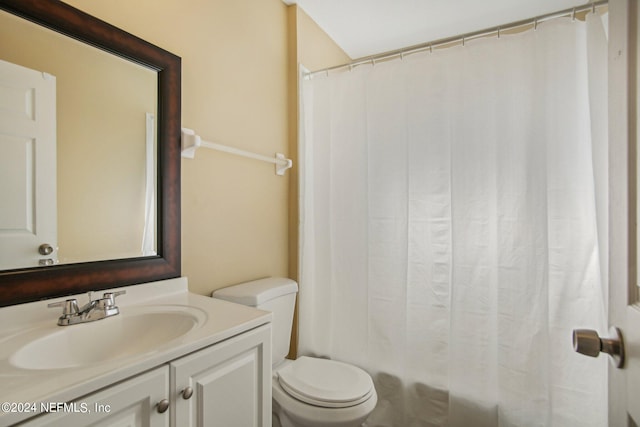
367, 27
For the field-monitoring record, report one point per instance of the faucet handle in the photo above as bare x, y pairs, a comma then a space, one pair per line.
111, 297
69, 307
117, 294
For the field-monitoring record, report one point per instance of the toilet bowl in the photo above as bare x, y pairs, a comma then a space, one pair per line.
315, 392
308, 391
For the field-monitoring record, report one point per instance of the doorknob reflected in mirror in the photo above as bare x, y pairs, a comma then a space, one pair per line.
45, 249
587, 342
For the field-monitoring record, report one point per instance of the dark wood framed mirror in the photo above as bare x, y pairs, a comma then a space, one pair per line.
31, 284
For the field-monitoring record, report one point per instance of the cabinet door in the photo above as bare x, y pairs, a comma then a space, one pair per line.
231, 383
128, 404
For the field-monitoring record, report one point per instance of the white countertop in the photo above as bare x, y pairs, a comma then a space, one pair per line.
220, 320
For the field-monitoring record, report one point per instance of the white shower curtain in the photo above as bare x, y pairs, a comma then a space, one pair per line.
453, 228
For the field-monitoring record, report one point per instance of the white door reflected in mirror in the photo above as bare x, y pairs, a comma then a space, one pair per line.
28, 213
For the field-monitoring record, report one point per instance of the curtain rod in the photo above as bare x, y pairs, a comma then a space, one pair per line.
385, 56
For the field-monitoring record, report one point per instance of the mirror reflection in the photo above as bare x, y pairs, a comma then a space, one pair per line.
77, 151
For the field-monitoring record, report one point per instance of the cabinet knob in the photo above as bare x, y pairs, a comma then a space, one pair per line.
162, 406
187, 393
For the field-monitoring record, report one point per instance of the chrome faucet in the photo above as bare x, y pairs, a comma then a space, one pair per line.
93, 310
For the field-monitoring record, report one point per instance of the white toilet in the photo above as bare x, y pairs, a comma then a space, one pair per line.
307, 392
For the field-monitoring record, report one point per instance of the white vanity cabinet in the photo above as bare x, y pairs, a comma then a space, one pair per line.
164, 340
129, 403
227, 384
230, 381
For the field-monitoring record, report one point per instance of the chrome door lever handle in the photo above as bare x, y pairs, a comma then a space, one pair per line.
587, 342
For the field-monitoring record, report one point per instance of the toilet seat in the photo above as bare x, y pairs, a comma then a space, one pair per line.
325, 383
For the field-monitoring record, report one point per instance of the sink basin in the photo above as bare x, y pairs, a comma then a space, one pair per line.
125, 335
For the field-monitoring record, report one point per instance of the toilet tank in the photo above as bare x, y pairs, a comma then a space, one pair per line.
274, 294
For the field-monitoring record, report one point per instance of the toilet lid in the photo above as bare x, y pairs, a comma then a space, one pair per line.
325, 383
